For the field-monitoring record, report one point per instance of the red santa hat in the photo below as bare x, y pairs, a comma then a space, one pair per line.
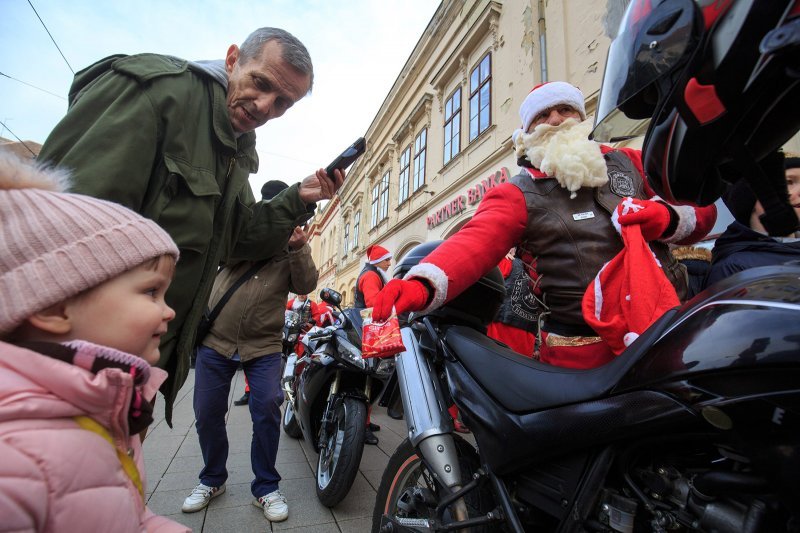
376, 254
628, 294
549, 94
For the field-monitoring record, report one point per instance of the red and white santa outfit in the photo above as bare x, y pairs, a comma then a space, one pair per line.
505, 219
372, 278
308, 311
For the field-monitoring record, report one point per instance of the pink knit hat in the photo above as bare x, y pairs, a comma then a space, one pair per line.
55, 245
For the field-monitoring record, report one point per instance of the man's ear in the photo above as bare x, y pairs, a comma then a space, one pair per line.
231, 58
54, 320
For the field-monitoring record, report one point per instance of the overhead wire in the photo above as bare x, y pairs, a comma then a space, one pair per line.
51, 36
17, 138
29, 85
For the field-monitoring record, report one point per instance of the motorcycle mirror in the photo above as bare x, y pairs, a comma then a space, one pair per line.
330, 296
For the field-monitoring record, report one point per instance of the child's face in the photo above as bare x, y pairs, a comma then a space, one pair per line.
128, 312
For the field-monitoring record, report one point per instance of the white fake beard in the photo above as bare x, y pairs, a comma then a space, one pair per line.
565, 153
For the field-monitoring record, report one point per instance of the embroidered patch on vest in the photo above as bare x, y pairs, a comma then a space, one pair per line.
620, 184
523, 304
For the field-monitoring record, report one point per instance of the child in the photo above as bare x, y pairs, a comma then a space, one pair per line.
82, 309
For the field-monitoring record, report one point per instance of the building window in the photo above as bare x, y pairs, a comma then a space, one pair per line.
452, 126
383, 208
376, 189
480, 92
346, 238
356, 227
405, 160
420, 147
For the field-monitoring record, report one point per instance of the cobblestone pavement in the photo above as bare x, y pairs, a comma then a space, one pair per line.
174, 462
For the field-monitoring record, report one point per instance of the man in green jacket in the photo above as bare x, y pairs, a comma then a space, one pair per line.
174, 141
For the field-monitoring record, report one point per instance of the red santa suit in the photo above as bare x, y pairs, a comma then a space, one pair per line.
560, 219
371, 279
307, 313
498, 225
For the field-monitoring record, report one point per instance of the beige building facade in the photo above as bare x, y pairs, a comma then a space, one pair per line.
443, 134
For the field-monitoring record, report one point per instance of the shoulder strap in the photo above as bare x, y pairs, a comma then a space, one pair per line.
239, 282
125, 460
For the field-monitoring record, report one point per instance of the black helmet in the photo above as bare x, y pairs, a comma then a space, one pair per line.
479, 302
715, 84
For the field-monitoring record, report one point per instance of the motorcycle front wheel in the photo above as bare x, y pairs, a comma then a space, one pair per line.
409, 493
338, 461
290, 426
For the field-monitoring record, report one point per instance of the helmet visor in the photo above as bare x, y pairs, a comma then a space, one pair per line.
652, 43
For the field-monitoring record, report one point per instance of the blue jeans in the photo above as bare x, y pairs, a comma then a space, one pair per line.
213, 375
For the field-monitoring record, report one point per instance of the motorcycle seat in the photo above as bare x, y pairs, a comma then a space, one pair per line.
523, 385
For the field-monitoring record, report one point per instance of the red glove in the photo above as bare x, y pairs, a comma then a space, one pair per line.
404, 295
652, 217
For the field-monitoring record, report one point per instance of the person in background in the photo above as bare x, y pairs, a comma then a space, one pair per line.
82, 310
324, 316
249, 329
268, 192
697, 261
558, 213
373, 276
371, 280
745, 243
174, 141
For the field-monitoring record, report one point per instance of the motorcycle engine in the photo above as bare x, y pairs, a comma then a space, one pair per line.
718, 492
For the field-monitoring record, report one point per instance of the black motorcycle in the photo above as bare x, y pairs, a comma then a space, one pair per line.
330, 392
695, 427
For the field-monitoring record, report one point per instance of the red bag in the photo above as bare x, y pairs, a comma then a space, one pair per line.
381, 339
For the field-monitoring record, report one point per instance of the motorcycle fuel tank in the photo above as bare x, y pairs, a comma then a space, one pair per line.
746, 322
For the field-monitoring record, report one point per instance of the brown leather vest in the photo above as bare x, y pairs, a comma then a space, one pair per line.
571, 239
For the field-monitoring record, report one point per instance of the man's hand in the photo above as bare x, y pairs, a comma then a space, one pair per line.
298, 238
319, 186
652, 217
403, 295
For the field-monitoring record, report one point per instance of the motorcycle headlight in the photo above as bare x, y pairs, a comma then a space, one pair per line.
350, 354
292, 337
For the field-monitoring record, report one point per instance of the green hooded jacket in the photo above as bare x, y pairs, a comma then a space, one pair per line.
153, 134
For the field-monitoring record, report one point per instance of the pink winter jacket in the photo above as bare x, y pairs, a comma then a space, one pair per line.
54, 475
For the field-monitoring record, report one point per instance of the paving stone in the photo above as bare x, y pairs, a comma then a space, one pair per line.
373, 477
323, 528
178, 480
166, 502
192, 520
306, 512
292, 454
189, 463
162, 447
243, 519
360, 525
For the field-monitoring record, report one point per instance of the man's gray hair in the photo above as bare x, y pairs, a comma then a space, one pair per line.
294, 52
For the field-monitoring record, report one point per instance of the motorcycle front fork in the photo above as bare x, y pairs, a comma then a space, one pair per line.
334, 399
430, 427
288, 376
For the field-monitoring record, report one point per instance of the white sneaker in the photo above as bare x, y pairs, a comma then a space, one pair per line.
274, 505
200, 496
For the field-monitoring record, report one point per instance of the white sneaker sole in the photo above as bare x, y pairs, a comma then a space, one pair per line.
202, 505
